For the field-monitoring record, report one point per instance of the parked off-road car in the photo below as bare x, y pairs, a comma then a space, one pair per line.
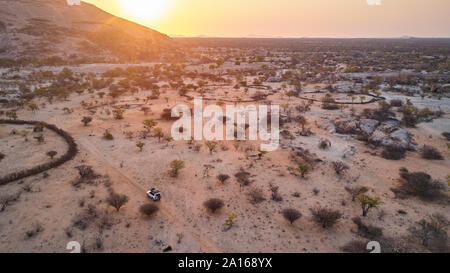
153, 194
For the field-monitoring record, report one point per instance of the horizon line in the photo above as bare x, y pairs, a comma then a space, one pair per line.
305, 37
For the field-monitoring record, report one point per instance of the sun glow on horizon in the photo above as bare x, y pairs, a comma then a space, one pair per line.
145, 9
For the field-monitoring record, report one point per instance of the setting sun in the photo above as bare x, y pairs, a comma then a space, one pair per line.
144, 9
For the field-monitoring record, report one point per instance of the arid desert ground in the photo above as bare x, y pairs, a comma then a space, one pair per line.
364, 129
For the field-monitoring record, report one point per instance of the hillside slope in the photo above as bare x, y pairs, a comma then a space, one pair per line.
39, 28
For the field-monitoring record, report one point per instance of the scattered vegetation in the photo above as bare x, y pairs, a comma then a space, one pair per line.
52, 154
418, 184
140, 145
432, 233
291, 215
326, 217
35, 230
275, 194
118, 113
175, 167
446, 135
229, 222
256, 196
393, 152
86, 120
324, 144
431, 153
355, 246
367, 231
223, 178
69, 155
367, 202
116, 200
213, 204
148, 209
357, 190
107, 135
303, 169
211, 146
339, 167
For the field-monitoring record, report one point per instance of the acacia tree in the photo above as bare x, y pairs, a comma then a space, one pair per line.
211, 146
86, 120
175, 167
118, 113
303, 169
117, 200
367, 203
158, 132
355, 191
149, 124
302, 122
140, 145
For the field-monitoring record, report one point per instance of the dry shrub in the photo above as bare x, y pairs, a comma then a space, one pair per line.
6, 200
117, 200
339, 167
87, 176
175, 167
35, 230
275, 194
396, 103
148, 209
256, 196
355, 191
393, 152
431, 153
432, 233
446, 135
419, 184
243, 178
366, 230
291, 215
167, 115
326, 217
355, 246
213, 204
223, 178
83, 220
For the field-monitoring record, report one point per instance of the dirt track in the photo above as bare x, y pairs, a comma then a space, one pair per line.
166, 209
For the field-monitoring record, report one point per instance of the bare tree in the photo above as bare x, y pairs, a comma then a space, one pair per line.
339, 167
117, 200
291, 215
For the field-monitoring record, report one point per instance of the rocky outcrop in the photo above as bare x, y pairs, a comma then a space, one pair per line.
387, 133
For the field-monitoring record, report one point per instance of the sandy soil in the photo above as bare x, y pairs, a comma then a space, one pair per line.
53, 202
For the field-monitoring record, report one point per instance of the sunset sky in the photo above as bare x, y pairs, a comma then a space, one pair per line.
287, 18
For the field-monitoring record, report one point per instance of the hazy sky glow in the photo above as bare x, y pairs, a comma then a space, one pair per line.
289, 18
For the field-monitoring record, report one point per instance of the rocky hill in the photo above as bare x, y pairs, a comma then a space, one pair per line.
54, 29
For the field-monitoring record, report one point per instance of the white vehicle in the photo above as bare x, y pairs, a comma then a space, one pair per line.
153, 194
